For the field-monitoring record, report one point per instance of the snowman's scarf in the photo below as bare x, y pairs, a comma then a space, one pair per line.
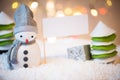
12, 53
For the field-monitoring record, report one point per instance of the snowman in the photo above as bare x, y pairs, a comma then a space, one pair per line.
25, 52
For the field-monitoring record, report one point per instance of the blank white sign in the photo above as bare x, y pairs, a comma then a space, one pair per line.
65, 26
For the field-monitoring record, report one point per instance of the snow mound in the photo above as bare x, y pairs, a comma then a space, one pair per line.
64, 69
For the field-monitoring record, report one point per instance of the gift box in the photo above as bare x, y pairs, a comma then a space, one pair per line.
81, 52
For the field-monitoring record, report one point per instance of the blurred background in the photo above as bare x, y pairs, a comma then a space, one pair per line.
107, 11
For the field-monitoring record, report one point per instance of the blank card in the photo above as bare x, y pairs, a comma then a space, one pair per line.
65, 26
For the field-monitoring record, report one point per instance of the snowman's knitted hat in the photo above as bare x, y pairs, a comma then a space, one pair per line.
24, 20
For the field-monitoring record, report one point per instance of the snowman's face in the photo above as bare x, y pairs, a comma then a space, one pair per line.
25, 37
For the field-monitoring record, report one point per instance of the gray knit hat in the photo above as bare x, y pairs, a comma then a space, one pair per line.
24, 20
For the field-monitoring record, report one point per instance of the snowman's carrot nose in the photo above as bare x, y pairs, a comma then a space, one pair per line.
26, 41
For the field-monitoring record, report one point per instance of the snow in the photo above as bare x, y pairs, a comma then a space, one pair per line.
64, 69
102, 30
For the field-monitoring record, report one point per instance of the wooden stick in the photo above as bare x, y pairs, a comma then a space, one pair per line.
43, 39
44, 51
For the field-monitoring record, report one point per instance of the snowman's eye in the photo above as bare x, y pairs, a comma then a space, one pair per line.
21, 36
32, 36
